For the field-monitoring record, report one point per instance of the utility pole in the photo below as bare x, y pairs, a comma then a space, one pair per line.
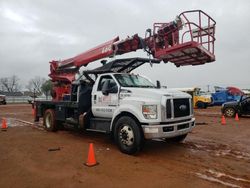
34, 94
208, 88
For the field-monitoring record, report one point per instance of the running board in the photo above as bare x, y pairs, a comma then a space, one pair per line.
71, 121
99, 125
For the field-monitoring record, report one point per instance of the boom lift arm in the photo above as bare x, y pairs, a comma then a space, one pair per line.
188, 40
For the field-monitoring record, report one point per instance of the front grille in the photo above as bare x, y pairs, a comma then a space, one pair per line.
181, 107
178, 108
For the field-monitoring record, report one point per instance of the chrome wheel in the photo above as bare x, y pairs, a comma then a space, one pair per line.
126, 135
48, 121
229, 112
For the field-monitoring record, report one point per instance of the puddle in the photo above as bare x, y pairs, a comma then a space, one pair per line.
223, 178
208, 113
13, 122
220, 174
217, 150
212, 179
235, 154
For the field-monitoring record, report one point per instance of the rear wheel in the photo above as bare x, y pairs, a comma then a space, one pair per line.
128, 135
49, 120
229, 112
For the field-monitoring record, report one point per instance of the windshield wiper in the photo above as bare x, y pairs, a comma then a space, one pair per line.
147, 86
130, 86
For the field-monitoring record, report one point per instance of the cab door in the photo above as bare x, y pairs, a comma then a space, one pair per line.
104, 104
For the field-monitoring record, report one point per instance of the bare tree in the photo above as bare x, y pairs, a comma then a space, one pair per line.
35, 84
10, 84
46, 88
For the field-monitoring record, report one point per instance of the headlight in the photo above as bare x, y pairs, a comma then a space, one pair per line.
149, 111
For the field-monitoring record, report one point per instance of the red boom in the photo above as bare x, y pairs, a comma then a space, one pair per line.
182, 42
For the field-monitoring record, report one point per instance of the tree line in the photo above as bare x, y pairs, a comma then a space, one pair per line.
37, 85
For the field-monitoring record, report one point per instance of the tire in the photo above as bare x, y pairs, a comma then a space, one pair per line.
229, 112
176, 139
49, 120
200, 104
128, 135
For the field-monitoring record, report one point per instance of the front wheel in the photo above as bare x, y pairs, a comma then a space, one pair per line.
49, 120
128, 135
229, 112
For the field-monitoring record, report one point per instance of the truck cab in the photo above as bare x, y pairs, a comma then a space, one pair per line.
136, 108
127, 106
201, 99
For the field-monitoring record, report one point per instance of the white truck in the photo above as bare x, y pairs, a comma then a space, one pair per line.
129, 107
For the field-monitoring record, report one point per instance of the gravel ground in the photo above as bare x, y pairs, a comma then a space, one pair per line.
213, 155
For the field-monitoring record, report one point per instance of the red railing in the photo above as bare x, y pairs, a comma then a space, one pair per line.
188, 40
202, 31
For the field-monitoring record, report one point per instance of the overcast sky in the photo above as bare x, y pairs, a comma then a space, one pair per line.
34, 32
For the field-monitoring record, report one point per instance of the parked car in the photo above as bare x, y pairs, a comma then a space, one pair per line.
242, 107
2, 99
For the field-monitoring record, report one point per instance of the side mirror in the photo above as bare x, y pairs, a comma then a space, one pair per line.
113, 89
105, 87
158, 84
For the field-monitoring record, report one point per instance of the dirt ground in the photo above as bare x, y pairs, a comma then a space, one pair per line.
213, 155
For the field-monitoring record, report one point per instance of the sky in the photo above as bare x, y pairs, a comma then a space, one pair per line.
32, 33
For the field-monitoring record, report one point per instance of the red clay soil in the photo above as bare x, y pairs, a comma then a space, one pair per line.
213, 155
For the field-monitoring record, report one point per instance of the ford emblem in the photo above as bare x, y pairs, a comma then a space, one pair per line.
183, 107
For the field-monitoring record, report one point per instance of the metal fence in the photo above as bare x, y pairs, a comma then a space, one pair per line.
19, 99
22, 99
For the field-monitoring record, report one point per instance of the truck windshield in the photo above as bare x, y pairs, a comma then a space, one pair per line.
129, 80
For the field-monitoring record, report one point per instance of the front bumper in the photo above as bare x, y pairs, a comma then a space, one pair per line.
168, 130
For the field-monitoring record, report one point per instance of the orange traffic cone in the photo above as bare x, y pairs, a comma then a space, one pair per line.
223, 120
236, 117
4, 125
91, 157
